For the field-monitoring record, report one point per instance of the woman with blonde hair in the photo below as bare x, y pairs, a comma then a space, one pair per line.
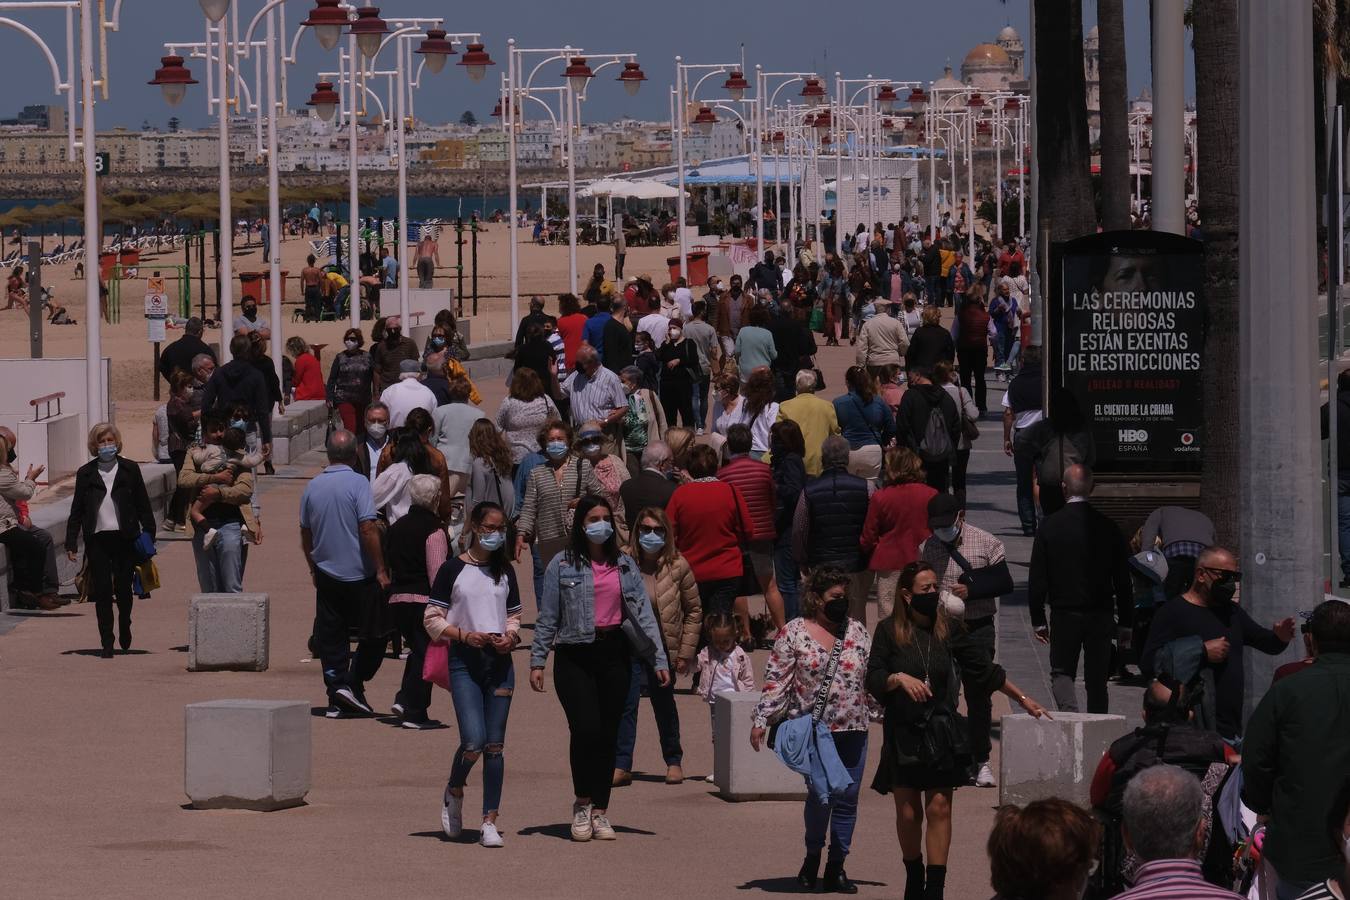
896, 523
679, 614
911, 672
112, 509
680, 440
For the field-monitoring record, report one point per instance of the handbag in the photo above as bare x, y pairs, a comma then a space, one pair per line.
436, 664
149, 575
143, 548
943, 740
970, 429
984, 582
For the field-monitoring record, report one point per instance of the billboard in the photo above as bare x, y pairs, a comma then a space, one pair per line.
1127, 335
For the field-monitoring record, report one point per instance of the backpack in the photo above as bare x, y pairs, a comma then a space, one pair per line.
935, 444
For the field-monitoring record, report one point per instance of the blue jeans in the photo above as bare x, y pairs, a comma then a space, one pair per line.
788, 577
663, 707
481, 683
701, 400
1025, 466
839, 815
220, 570
1343, 531
539, 566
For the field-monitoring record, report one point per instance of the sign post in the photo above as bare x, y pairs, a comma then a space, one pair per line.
156, 314
1127, 323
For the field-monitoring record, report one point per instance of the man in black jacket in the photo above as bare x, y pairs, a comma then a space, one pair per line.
1080, 567
238, 381
652, 486
795, 346
917, 428
180, 353
828, 520
766, 276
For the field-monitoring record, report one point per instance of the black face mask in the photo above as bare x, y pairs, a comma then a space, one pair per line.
393, 334
250, 313
1221, 592
925, 604
836, 610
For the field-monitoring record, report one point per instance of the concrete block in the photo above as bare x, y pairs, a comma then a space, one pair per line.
227, 632
247, 754
1043, 758
739, 772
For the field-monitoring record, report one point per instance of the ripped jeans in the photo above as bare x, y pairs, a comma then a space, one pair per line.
481, 684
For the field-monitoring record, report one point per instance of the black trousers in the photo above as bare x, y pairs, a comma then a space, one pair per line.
1074, 631
959, 464
592, 681
718, 596
414, 693
973, 362
938, 475
677, 398
110, 564
338, 607
26, 556
178, 503
978, 633
1052, 499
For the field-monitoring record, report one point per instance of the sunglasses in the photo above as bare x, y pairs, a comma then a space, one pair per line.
652, 529
1225, 574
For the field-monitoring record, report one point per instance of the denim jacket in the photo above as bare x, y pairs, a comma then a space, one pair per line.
567, 611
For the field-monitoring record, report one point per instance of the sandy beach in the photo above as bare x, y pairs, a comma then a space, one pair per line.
543, 270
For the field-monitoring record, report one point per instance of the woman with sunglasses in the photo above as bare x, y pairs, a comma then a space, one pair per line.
674, 594
596, 614
474, 605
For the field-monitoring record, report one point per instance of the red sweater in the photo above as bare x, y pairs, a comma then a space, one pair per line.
711, 522
896, 523
755, 482
308, 379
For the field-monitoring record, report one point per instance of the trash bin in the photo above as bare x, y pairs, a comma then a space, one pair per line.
697, 264
129, 258
267, 286
249, 286
107, 261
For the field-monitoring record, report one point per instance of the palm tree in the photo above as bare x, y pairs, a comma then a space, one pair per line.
1215, 40
1115, 135
1065, 195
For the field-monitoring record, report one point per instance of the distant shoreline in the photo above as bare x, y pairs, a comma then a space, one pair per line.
420, 183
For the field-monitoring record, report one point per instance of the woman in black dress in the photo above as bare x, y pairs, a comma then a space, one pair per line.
925, 749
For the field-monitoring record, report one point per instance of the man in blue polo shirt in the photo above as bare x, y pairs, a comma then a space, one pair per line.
342, 546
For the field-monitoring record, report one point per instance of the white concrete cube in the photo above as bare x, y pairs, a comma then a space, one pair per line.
247, 754
739, 772
1043, 758
228, 632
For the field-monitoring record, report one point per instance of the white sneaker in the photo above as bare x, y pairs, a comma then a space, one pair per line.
581, 822
490, 836
985, 777
452, 815
601, 830
208, 539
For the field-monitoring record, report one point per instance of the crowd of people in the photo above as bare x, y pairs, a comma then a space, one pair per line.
663, 456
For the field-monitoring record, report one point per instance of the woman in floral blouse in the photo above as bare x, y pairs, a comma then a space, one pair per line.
800, 658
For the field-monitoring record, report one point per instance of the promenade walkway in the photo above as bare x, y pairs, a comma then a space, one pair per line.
92, 799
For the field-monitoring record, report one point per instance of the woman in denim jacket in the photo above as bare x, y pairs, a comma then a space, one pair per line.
596, 611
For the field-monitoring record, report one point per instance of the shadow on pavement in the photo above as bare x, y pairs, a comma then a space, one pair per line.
96, 652
788, 885
563, 831
38, 614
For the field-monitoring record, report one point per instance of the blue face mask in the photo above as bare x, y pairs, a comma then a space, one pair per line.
492, 541
652, 543
438, 342
107, 452
556, 449
599, 532
239, 423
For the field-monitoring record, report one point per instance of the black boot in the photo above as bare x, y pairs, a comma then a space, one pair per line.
914, 878
810, 869
936, 883
836, 880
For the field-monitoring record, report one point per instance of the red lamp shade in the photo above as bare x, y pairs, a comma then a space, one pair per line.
173, 78
632, 77
325, 100
475, 61
823, 122
705, 119
435, 49
886, 98
369, 29
888, 124
976, 102
327, 18
917, 99
736, 85
779, 141
813, 92
578, 74
1012, 105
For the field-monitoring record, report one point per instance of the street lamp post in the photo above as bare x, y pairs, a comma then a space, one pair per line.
763, 108
684, 95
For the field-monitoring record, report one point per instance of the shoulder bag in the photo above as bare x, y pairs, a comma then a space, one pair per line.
970, 429
822, 692
984, 582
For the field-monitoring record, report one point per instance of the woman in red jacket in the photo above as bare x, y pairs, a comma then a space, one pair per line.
308, 379
754, 479
896, 523
711, 523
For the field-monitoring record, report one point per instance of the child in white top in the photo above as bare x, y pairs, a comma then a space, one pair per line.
722, 665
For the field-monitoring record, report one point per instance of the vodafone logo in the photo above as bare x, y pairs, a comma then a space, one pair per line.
1187, 439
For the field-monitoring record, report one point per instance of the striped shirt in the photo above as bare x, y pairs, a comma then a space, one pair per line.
1173, 879
1322, 891
544, 511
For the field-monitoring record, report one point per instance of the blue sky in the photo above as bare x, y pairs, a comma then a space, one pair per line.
900, 39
